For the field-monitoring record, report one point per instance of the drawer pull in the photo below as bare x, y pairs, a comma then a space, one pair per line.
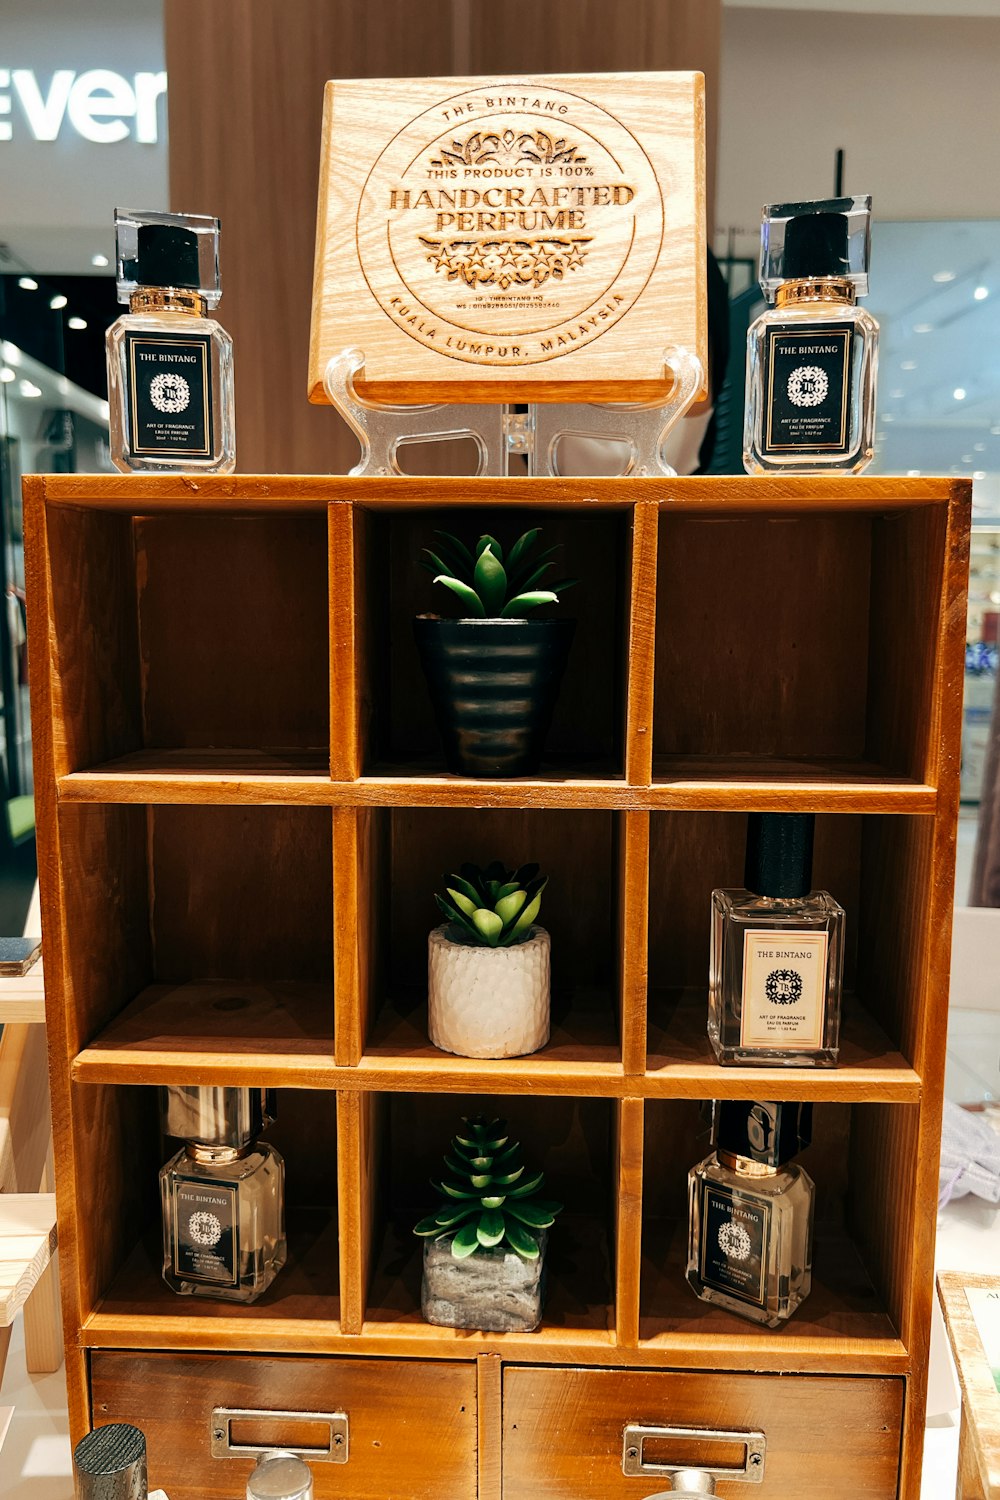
333, 1450
634, 1464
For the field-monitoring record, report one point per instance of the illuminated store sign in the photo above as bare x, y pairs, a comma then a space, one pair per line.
99, 105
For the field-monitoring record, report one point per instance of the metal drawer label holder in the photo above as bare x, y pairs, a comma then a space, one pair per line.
636, 1433
334, 1451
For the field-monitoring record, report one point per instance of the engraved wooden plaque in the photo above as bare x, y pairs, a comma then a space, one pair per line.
533, 239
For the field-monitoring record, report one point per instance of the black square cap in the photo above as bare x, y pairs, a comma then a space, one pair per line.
768, 1132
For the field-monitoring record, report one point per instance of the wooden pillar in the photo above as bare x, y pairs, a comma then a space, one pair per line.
245, 104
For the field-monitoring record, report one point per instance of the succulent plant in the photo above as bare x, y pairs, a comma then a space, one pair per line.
492, 586
493, 907
488, 1199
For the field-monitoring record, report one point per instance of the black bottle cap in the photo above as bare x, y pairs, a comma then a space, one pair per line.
168, 256
770, 1133
816, 244
779, 854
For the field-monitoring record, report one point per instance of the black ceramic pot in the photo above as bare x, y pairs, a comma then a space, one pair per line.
493, 684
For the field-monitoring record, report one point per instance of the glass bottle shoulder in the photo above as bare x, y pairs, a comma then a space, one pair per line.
237, 1170
798, 313
740, 904
167, 322
789, 1179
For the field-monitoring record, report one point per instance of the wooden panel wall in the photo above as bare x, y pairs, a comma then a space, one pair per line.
246, 86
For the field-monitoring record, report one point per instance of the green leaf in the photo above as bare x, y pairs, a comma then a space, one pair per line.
468, 596
454, 1189
489, 541
437, 564
466, 1241
526, 873
508, 907
563, 584
504, 1158
495, 871
462, 902
493, 1200
508, 889
459, 918
516, 606
510, 1177
529, 563
534, 577
524, 921
520, 549
489, 925
481, 1180
525, 1189
520, 1240
491, 583
458, 550
531, 1213
490, 1229
428, 1227
457, 1214
466, 887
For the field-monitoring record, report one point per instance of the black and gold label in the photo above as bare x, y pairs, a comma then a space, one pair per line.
206, 1231
734, 1235
169, 394
807, 389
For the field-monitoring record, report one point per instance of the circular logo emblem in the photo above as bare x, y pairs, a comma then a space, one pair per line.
204, 1228
783, 987
808, 385
734, 1242
169, 393
511, 226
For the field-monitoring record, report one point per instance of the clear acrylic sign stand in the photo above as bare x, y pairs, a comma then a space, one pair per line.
640, 428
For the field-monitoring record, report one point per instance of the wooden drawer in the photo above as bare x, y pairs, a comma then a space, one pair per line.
827, 1436
412, 1424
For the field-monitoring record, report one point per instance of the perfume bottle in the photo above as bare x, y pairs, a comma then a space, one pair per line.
777, 954
170, 367
222, 1195
110, 1464
812, 358
750, 1213
280, 1475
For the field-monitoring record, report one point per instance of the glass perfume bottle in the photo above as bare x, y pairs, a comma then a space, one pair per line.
170, 367
222, 1195
751, 1214
777, 954
812, 358
280, 1475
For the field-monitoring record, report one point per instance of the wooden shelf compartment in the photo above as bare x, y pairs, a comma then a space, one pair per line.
198, 942
402, 855
120, 1152
862, 1160
194, 639
391, 739
403, 1138
801, 641
879, 868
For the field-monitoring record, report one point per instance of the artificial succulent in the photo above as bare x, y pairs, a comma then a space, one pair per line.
492, 907
489, 584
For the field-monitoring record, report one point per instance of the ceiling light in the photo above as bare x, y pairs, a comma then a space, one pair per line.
981, 293
959, 393
897, 395
944, 276
995, 431
7, 374
27, 389
979, 447
966, 458
888, 417
99, 260
77, 323
912, 473
923, 328
58, 301
908, 364
979, 473
27, 284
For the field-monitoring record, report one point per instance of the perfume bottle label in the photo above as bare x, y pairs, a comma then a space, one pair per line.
206, 1231
169, 394
734, 1236
807, 388
784, 989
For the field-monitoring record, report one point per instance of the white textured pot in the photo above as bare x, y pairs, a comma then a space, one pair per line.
488, 1002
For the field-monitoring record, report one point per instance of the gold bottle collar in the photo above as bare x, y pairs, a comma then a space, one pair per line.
745, 1165
147, 299
822, 289
217, 1155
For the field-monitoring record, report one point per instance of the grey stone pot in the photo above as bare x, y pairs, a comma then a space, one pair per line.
494, 1291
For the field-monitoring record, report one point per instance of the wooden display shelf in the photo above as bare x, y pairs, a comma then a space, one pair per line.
243, 814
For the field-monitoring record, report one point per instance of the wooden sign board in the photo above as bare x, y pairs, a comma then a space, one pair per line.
532, 239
